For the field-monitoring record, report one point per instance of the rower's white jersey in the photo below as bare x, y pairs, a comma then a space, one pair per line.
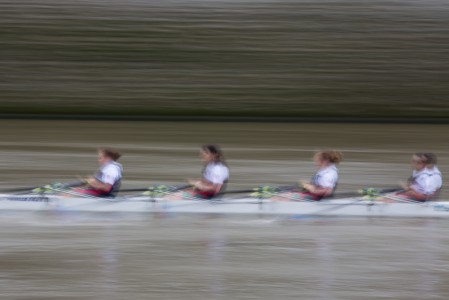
110, 173
216, 173
427, 181
326, 177
435, 180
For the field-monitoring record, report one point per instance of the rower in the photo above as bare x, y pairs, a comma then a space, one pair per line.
106, 182
215, 173
324, 182
426, 180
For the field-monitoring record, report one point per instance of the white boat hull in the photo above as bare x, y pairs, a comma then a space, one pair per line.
342, 207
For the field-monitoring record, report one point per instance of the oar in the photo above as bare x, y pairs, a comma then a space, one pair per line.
134, 190
151, 192
285, 188
270, 192
288, 188
376, 191
147, 189
266, 192
399, 199
109, 201
276, 190
72, 193
244, 191
72, 184
364, 192
20, 189
261, 192
31, 189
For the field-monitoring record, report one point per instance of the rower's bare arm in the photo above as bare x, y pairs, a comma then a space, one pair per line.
317, 189
96, 184
404, 185
193, 182
307, 186
302, 183
206, 186
217, 188
415, 194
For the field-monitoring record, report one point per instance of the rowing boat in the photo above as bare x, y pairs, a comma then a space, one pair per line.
354, 206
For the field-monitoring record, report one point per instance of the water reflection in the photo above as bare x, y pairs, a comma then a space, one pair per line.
429, 259
325, 259
234, 258
109, 260
215, 247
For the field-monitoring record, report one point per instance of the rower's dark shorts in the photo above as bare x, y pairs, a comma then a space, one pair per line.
408, 197
91, 192
201, 194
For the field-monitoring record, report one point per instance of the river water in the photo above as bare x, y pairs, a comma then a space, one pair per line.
104, 256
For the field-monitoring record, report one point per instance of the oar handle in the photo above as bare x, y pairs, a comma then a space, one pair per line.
236, 192
134, 190
175, 189
243, 191
72, 184
377, 192
181, 187
391, 190
286, 188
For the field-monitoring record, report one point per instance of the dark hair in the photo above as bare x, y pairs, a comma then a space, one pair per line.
111, 153
431, 158
330, 155
426, 157
215, 151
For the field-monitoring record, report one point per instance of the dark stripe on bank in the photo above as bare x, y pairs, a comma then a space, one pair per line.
225, 119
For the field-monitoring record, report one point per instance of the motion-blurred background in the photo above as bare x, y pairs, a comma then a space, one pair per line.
298, 58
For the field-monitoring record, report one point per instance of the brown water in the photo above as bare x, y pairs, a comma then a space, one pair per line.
96, 256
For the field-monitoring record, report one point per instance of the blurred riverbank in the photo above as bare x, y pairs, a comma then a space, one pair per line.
223, 119
298, 59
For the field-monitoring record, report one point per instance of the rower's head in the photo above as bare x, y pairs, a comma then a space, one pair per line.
431, 159
420, 160
106, 155
327, 157
211, 153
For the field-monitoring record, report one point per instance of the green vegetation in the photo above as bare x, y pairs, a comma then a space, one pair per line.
226, 58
